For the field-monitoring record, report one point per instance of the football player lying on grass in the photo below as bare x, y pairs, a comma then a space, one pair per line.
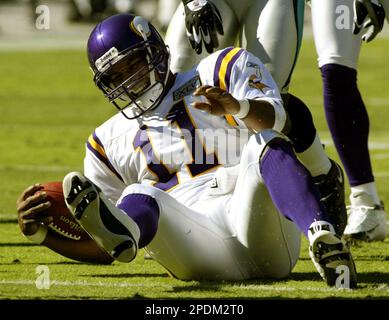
195, 167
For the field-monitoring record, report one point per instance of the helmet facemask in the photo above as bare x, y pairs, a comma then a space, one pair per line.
134, 80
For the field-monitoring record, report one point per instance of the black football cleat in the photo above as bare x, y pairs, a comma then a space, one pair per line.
109, 226
332, 196
331, 256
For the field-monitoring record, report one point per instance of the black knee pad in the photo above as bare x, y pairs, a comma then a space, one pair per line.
302, 132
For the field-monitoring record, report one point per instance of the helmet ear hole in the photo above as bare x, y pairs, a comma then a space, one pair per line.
141, 26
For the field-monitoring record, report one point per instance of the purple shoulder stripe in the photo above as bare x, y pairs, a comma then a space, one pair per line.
222, 55
96, 147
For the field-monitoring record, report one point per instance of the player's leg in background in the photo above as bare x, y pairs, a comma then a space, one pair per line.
338, 51
272, 31
276, 40
183, 57
166, 9
272, 179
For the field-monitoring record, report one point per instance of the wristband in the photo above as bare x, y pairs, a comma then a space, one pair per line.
39, 236
279, 112
244, 109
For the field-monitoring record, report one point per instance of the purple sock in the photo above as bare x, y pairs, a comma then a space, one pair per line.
291, 187
348, 121
144, 210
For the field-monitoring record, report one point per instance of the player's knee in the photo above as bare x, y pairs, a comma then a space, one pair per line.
302, 132
143, 189
143, 209
258, 143
183, 59
136, 188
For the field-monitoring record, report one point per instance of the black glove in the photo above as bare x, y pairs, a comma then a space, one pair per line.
375, 14
202, 21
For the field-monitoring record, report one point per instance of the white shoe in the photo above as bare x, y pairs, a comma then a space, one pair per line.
366, 220
110, 227
331, 256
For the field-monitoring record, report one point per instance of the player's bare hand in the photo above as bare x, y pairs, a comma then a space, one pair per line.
30, 207
219, 102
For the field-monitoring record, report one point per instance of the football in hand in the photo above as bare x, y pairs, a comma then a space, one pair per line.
63, 222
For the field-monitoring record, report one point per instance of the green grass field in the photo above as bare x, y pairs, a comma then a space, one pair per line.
49, 106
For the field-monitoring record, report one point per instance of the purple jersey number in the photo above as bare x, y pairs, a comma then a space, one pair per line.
201, 161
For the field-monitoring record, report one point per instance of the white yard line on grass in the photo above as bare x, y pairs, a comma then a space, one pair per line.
262, 287
377, 145
373, 145
84, 284
381, 174
32, 167
377, 102
380, 156
7, 216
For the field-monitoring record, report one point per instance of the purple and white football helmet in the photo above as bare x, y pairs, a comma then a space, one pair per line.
130, 62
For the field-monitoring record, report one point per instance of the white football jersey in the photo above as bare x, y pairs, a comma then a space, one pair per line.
176, 147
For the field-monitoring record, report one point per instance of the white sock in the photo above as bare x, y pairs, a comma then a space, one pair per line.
369, 188
315, 159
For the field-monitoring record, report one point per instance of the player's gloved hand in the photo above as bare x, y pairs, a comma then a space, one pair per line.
374, 14
203, 21
29, 207
218, 101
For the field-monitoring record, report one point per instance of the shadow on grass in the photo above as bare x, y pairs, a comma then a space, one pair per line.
373, 277
365, 280
8, 220
202, 284
219, 285
18, 244
373, 258
128, 275
17, 261
360, 258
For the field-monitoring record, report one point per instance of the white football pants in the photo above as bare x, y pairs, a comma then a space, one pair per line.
232, 232
332, 23
270, 29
